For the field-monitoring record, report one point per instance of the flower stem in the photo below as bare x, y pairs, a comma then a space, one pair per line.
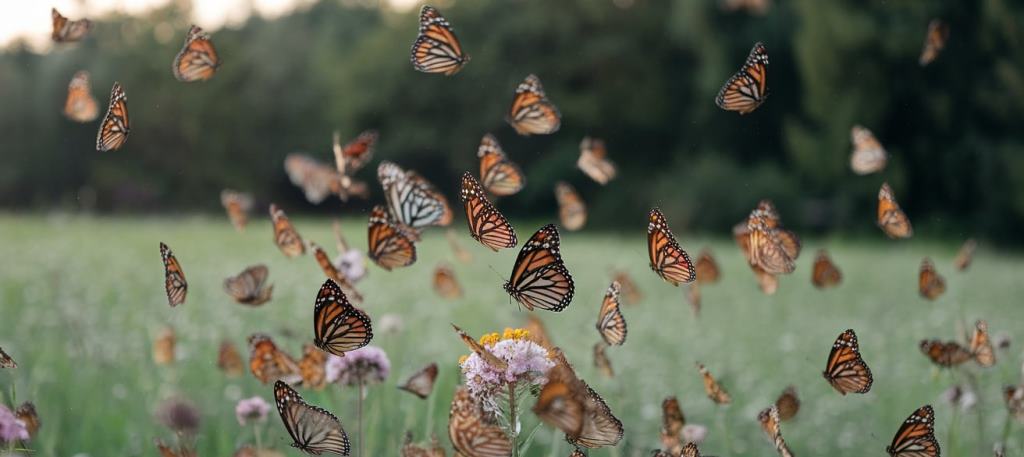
259, 444
513, 421
359, 414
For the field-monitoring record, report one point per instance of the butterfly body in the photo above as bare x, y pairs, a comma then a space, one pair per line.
114, 127
610, 323
249, 287
539, 278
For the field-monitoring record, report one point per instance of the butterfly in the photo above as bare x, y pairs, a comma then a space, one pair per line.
481, 351
237, 204
313, 367
436, 49
314, 430
338, 326
174, 277
486, 224
690, 450
630, 292
981, 346
532, 113
412, 200
771, 249
267, 362
868, 154
769, 419
891, 219
766, 281
229, 360
6, 361
934, 41
965, 255
65, 30
672, 419
197, 60
114, 127
390, 245
163, 347
748, 88
250, 286
500, 176
460, 252
80, 105
668, 260
610, 323
412, 450
1014, 398
472, 431
825, 273
714, 390
26, 413
539, 277
601, 361
707, 268
916, 436
445, 283
167, 451
332, 272
316, 180
788, 403
285, 236
537, 333
577, 452
572, 212
421, 383
845, 370
354, 155
569, 404
593, 161
945, 354
929, 282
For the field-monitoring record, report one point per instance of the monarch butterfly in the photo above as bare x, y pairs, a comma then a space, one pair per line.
748, 88
532, 113
569, 404
314, 430
577, 452
593, 161
557, 407
772, 249
539, 277
26, 413
845, 370
1014, 398
825, 273
65, 30
891, 219
80, 105
934, 41
285, 236
318, 180
694, 298
916, 436
421, 383
770, 423
630, 292
229, 360
267, 362
390, 245
706, 267
481, 350
945, 354
114, 127
767, 282
338, 326
163, 346
500, 176
668, 260
981, 346
313, 367
412, 200
460, 252
354, 155
445, 283
788, 403
601, 361
672, 419
436, 49
537, 333
965, 256
249, 287
237, 205
412, 450
572, 212
167, 451
868, 154
714, 390
6, 361
690, 450
930, 283
174, 277
486, 224
610, 323
197, 60
473, 432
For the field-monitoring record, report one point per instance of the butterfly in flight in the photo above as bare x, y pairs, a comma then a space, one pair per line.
668, 259
499, 175
891, 219
593, 161
946, 354
473, 432
531, 112
237, 206
916, 436
770, 423
317, 180
965, 255
414, 450
390, 245
66, 30
445, 284
412, 200
570, 405
934, 41
930, 284
436, 49
788, 403
163, 346
6, 361
174, 277
981, 345
486, 224
80, 105
353, 156
845, 370
610, 323
480, 350
250, 286
314, 430
825, 274
268, 363
672, 422
197, 60
229, 360
333, 273
27, 414
313, 367
748, 88
601, 360
630, 292
539, 277
421, 383
285, 236
714, 390
338, 326
868, 154
772, 249
572, 212
114, 127
707, 268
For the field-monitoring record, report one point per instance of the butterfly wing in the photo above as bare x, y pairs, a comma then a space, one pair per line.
486, 224
7, 361
531, 112
114, 128
248, 288
229, 360
353, 156
390, 246
672, 419
981, 345
845, 370
267, 362
174, 277
945, 354
436, 49
338, 326
788, 403
593, 161
539, 278
965, 255
445, 283
65, 30
706, 268
472, 432
499, 175
412, 200
313, 430
80, 105
930, 284
916, 436
421, 384
601, 361
891, 219
197, 60
572, 212
748, 88
285, 236
934, 41
481, 350
868, 154
714, 390
610, 323
27, 414
668, 260
825, 274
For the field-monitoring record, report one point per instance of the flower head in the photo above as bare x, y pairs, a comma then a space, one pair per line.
179, 415
251, 409
527, 363
694, 433
351, 264
11, 428
367, 364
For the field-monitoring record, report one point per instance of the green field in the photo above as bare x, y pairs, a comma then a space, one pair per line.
82, 298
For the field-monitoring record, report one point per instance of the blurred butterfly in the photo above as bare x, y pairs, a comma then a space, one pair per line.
354, 155
916, 436
338, 326
569, 404
26, 413
630, 292
332, 272
825, 273
316, 179
537, 333
174, 277
65, 30
80, 105
845, 370
668, 260
481, 350
114, 127
6, 361
868, 154
285, 236
229, 360
771, 249
460, 252
981, 345
436, 49
934, 41
691, 450
748, 88
531, 112
268, 363
965, 255
197, 60
593, 161
707, 268
313, 367
413, 450
610, 323
572, 212
314, 430
1014, 398
929, 282
421, 383
693, 297
539, 277
237, 205
473, 432
945, 354
769, 419
250, 286
486, 224
499, 175
445, 284
672, 421
163, 347
390, 245
788, 403
412, 200
766, 281
891, 218
577, 452
601, 361
714, 390
167, 451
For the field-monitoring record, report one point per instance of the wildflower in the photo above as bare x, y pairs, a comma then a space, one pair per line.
527, 361
179, 415
11, 428
694, 433
251, 409
351, 264
363, 365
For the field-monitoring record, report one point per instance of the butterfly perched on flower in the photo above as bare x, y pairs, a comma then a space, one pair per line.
770, 423
6, 361
229, 360
594, 162
197, 60
845, 370
945, 354
567, 403
601, 360
748, 88
498, 175
610, 323
250, 286
668, 259
572, 212
916, 436
934, 41
531, 112
237, 205
868, 155
539, 278
285, 236
788, 403
27, 414
163, 346
714, 390
436, 49
80, 106
338, 326
445, 284
965, 255
825, 274
486, 224
268, 363
472, 431
114, 127
390, 245
421, 383
891, 219
66, 30
707, 268
981, 345
174, 277
314, 430
412, 200
930, 284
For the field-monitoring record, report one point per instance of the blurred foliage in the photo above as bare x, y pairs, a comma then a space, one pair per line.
642, 74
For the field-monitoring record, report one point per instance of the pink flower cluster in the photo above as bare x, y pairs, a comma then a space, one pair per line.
11, 428
528, 363
368, 364
251, 409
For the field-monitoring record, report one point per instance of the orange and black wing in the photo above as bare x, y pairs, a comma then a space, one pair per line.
285, 236
197, 60
572, 212
539, 277
390, 246
825, 273
7, 361
338, 326
610, 323
715, 391
748, 88
531, 112
486, 224
354, 155
472, 432
845, 370
916, 436
668, 259
114, 128
66, 30
436, 49
981, 345
930, 283
891, 218
421, 384
174, 277
934, 41
945, 354
499, 175
80, 105
267, 362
